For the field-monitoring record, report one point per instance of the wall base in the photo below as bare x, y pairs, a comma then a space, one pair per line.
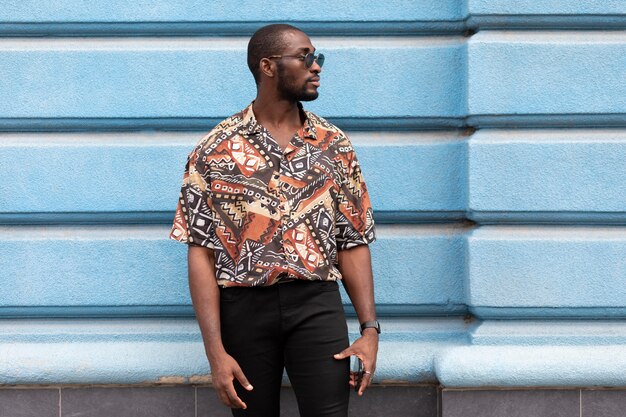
379, 401
194, 401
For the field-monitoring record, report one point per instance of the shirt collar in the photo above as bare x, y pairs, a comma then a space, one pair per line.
250, 126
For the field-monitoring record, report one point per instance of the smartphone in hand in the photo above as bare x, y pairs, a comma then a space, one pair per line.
356, 369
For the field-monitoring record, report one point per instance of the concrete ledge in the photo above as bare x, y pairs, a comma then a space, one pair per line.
131, 351
451, 351
537, 353
537, 366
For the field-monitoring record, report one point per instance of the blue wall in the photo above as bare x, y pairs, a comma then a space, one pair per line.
492, 136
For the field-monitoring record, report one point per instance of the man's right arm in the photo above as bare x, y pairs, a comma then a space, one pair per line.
205, 296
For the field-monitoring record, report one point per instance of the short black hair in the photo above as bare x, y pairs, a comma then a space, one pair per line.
265, 42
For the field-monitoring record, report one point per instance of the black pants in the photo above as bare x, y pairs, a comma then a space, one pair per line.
297, 325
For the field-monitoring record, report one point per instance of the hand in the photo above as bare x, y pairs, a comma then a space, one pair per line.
224, 369
366, 348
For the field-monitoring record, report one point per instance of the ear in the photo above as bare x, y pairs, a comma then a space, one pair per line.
267, 67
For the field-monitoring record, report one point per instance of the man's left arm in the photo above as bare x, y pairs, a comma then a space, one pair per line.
355, 266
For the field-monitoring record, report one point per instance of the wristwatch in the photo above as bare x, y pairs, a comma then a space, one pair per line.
371, 324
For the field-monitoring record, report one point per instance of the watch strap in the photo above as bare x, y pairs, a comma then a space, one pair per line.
374, 324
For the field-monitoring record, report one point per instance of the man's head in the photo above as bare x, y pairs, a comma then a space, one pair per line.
277, 59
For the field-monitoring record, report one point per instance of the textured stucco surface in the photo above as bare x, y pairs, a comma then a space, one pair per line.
492, 136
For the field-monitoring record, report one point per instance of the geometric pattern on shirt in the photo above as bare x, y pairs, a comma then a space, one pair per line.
266, 211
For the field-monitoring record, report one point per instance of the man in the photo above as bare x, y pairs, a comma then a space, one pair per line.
275, 212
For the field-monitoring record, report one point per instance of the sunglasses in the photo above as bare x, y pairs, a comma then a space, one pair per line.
308, 58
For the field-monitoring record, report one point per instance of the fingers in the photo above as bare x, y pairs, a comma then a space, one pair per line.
242, 379
344, 353
229, 399
226, 390
228, 395
352, 380
233, 399
365, 382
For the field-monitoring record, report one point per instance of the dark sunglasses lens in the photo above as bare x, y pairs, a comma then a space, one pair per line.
310, 58
320, 60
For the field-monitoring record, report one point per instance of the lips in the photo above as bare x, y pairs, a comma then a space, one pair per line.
315, 81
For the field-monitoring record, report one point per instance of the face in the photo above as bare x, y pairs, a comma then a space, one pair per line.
295, 82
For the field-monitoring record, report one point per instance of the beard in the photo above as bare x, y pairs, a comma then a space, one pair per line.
291, 89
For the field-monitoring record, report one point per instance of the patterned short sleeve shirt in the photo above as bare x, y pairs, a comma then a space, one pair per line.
270, 214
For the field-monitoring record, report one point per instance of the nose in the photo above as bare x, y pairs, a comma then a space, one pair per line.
315, 67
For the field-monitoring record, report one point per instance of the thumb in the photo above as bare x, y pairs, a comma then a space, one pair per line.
242, 379
343, 354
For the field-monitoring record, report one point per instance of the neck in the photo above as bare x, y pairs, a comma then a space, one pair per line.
276, 112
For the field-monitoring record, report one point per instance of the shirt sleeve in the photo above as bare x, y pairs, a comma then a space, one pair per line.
193, 221
354, 218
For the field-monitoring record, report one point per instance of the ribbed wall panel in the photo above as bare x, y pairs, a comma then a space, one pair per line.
518, 225
536, 178
555, 175
546, 79
192, 17
187, 83
547, 8
226, 11
91, 173
547, 271
428, 167
136, 270
553, 14
189, 17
